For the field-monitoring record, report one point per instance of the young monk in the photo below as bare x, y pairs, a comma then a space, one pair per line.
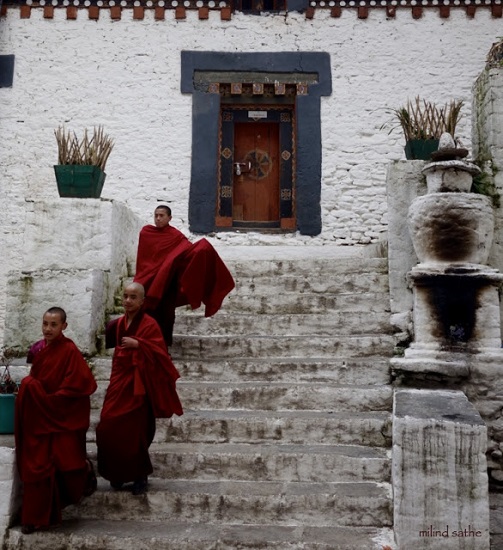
142, 388
175, 272
51, 420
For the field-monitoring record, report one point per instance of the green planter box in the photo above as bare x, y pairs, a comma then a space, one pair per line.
420, 149
7, 401
79, 181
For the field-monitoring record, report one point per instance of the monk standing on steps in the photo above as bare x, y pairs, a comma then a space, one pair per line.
142, 388
51, 421
175, 272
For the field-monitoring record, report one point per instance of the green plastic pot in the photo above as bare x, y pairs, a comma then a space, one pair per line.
79, 181
7, 402
420, 149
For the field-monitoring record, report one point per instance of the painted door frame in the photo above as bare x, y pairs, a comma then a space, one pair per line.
205, 129
282, 115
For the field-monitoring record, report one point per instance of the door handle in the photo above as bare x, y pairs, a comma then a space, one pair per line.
242, 167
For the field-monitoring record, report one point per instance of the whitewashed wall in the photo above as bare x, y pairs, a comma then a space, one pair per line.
126, 75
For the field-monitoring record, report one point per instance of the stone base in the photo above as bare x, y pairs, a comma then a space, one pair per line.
10, 495
440, 486
421, 361
85, 295
429, 364
456, 305
77, 264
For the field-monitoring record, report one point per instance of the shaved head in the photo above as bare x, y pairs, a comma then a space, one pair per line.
137, 288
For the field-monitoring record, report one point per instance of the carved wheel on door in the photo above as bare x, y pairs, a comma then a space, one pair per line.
257, 164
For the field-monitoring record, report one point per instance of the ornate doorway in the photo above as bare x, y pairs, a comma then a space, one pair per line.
287, 84
256, 187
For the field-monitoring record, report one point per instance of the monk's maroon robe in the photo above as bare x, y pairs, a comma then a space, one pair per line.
51, 420
142, 387
176, 272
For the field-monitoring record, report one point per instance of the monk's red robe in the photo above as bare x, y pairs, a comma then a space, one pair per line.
51, 420
175, 272
142, 387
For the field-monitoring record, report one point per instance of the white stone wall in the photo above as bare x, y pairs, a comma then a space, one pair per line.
125, 75
73, 253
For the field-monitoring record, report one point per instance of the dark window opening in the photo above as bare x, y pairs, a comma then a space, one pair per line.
257, 6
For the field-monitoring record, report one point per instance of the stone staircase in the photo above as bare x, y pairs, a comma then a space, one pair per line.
286, 438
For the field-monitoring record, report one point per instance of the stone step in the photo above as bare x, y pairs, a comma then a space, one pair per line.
308, 267
269, 462
291, 303
99, 534
338, 370
274, 396
294, 303
309, 427
280, 396
294, 274
320, 324
365, 504
325, 283
261, 427
223, 347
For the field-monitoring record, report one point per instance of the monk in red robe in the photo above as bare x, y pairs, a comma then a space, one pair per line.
142, 388
51, 421
175, 272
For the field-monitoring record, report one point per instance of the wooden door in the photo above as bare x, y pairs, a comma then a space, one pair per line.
256, 186
256, 169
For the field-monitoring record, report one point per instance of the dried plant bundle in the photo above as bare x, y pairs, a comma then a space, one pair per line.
7, 384
424, 120
93, 150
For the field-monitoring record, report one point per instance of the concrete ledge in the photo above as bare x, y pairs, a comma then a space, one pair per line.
83, 294
10, 500
439, 469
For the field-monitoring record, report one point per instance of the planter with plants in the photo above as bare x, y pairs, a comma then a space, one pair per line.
80, 172
423, 122
8, 392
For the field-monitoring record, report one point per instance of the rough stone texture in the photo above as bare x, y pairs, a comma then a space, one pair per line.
451, 227
405, 182
484, 389
457, 178
439, 472
82, 293
487, 136
82, 233
9, 488
446, 302
75, 252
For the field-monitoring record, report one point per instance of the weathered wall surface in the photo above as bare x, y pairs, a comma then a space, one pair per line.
487, 132
74, 254
439, 472
126, 75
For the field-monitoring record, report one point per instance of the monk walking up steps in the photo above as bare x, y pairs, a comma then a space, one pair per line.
175, 272
51, 421
142, 388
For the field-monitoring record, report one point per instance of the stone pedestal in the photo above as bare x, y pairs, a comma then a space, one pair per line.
456, 317
452, 227
455, 295
440, 487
